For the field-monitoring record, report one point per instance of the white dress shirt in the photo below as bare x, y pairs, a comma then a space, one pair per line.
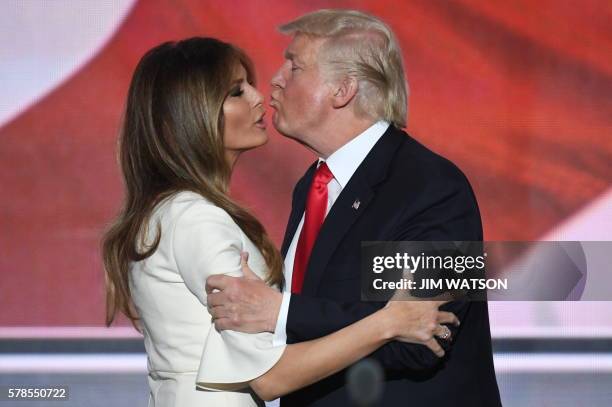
342, 163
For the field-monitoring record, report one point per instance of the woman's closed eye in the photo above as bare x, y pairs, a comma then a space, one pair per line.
236, 91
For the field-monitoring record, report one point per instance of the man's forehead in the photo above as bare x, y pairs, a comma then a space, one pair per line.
302, 48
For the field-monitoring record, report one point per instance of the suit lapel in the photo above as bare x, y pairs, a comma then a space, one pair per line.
297, 207
350, 205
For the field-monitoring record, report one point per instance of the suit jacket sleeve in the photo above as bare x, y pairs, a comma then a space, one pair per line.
452, 215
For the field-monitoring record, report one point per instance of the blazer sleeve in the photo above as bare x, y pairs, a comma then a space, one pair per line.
206, 241
451, 215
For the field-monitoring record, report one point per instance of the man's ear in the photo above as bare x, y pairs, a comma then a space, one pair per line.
344, 91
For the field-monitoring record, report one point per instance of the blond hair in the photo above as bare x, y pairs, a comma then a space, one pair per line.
361, 46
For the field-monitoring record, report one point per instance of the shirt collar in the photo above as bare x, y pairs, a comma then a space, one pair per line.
344, 162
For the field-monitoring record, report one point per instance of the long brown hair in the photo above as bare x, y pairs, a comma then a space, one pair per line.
172, 140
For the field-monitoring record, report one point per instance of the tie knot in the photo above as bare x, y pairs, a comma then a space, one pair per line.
323, 174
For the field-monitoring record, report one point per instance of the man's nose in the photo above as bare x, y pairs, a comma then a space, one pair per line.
278, 81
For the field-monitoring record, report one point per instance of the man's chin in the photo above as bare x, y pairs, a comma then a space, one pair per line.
279, 126
284, 130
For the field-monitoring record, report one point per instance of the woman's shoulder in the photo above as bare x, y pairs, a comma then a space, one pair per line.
188, 197
190, 207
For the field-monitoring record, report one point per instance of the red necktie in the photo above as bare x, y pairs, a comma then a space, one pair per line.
316, 206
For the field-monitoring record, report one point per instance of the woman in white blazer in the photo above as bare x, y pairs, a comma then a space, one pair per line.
192, 109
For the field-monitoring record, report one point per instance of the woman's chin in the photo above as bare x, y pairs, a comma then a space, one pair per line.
262, 138
234, 153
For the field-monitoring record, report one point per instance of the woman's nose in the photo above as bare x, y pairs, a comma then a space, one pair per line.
258, 98
278, 81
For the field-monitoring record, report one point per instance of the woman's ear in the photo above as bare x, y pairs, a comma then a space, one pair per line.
344, 91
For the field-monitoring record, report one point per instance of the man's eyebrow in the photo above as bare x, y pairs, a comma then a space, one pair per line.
292, 57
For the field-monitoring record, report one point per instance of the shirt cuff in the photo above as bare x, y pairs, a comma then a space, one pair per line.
280, 332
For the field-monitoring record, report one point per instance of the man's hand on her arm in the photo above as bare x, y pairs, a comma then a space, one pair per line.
244, 304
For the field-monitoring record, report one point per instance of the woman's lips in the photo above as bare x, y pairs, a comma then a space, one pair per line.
261, 123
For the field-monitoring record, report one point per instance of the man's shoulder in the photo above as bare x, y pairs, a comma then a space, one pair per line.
415, 161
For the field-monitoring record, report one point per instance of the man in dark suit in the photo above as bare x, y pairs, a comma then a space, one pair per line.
342, 93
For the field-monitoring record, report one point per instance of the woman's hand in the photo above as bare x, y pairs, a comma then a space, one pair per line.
419, 321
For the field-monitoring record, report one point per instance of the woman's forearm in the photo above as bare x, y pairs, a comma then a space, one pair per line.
308, 362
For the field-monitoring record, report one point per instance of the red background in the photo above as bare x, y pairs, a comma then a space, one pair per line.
517, 93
